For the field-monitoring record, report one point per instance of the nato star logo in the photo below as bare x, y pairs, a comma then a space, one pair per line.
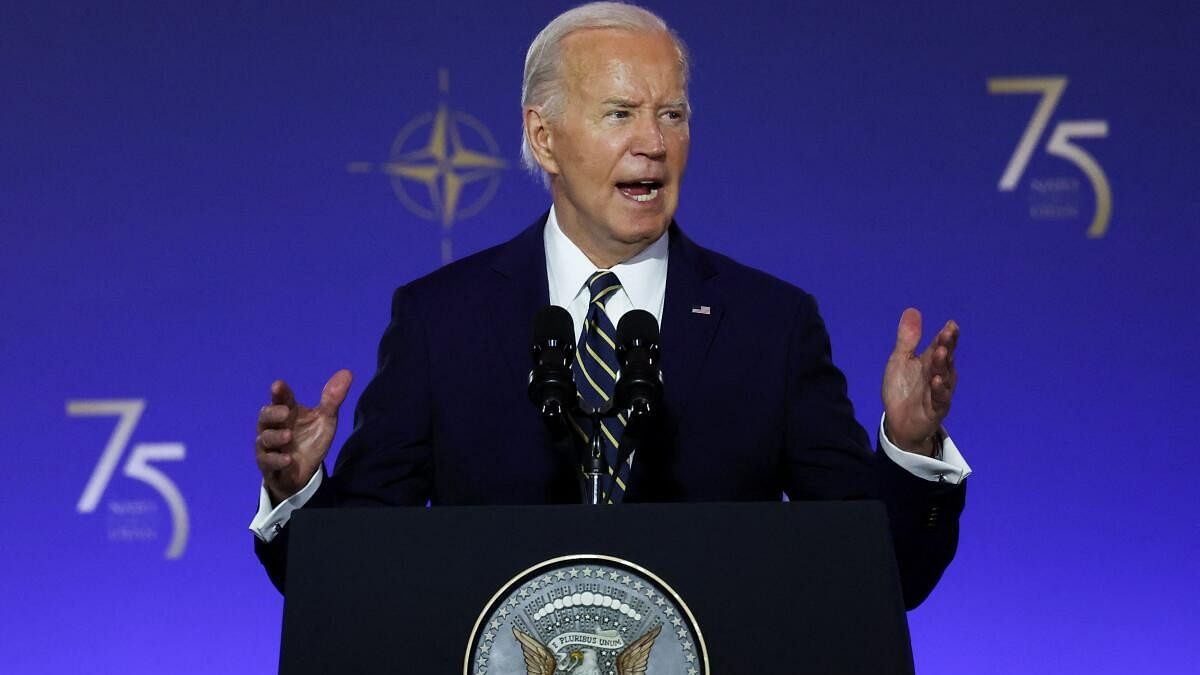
445, 166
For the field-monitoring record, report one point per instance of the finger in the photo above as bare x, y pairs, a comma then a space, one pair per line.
335, 391
272, 440
948, 336
948, 340
273, 461
281, 394
273, 416
941, 391
908, 332
939, 364
945, 382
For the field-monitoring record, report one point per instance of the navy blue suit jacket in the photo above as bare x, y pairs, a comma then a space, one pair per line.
754, 405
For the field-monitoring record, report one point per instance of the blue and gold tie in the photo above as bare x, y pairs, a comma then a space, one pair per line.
596, 376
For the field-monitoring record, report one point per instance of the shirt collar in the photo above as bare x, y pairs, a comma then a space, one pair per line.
643, 276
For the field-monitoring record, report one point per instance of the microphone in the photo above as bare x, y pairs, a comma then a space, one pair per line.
551, 383
639, 388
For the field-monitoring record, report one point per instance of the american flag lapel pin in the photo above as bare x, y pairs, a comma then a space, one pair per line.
701, 309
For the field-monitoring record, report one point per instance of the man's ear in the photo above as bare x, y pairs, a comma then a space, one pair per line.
540, 139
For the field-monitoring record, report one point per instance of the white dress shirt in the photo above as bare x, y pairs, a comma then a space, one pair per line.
643, 286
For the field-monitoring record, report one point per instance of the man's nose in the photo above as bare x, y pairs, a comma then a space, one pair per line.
648, 139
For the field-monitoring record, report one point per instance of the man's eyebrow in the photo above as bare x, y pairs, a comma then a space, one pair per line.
630, 103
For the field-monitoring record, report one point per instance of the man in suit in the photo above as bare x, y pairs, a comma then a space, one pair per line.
754, 406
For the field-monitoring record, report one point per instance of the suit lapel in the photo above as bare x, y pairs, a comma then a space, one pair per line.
521, 289
692, 312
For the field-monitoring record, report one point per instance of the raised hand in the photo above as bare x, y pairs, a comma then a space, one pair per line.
293, 439
917, 389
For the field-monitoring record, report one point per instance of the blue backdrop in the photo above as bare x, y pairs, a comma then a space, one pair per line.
197, 199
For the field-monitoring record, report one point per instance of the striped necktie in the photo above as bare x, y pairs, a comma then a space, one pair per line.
596, 376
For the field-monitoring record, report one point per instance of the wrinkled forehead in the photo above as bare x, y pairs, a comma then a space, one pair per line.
602, 57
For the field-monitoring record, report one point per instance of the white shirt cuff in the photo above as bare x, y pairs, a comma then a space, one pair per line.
269, 522
951, 468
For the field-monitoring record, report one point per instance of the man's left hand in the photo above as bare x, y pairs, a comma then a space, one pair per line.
917, 389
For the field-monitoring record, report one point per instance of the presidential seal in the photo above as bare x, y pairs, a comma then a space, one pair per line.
586, 615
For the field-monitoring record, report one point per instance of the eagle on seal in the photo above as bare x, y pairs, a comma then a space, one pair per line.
540, 661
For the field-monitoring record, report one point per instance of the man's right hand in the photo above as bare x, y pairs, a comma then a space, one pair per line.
292, 439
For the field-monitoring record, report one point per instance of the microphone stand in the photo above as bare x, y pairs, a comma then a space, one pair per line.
593, 464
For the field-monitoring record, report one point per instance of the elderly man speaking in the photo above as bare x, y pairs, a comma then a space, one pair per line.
753, 405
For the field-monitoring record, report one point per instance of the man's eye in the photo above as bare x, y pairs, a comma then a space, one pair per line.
674, 115
618, 114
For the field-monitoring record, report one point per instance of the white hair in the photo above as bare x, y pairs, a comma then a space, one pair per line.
543, 84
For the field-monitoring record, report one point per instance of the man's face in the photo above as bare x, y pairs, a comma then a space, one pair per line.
620, 144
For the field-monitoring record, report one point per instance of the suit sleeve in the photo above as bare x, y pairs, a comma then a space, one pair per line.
388, 459
829, 457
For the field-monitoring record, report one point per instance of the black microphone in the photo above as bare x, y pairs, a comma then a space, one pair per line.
639, 388
551, 383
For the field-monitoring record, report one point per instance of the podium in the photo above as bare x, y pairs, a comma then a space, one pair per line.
770, 588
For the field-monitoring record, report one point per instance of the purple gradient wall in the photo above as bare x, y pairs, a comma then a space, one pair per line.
194, 201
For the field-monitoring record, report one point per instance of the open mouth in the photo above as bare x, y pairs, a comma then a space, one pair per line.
640, 191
